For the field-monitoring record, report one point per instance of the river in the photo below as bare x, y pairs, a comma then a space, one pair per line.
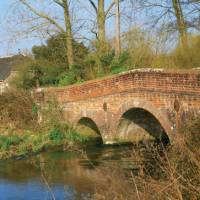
59, 174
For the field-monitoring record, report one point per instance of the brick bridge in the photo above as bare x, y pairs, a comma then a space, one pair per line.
131, 104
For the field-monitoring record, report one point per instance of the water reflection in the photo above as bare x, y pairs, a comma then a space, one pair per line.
69, 175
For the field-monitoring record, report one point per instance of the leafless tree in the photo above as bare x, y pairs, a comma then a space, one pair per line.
172, 15
181, 25
118, 43
101, 14
34, 17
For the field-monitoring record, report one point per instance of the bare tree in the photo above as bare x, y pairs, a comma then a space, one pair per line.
118, 43
101, 20
67, 30
182, 29
69, 37
172, 15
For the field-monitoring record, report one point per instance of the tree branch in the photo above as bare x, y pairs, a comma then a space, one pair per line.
42, 15
109, 8
59, 3
93, 5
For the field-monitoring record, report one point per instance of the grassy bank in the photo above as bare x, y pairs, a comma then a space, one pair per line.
28, 143
21, 131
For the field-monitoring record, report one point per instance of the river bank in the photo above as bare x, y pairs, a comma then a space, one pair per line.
27, 143
23, 132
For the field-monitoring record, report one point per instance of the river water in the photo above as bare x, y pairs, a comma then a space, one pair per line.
59, 174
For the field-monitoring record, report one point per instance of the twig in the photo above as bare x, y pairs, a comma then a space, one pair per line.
47, 184
137, 192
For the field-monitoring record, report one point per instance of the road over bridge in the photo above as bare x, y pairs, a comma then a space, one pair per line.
129, 105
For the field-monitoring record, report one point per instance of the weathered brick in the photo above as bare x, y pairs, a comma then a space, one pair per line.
154, 91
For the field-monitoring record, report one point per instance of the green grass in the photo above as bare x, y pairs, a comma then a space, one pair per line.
7, 141
31, 143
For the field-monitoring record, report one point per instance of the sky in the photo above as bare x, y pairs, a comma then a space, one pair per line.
10, 45
3, 10
7, 46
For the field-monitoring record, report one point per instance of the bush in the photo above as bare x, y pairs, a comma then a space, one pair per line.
75, 75
56, 134
17, 109
188, 57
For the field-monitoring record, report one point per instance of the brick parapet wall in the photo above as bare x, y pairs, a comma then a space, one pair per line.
180, 82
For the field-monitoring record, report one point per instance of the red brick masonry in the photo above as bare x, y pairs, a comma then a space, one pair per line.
164, 93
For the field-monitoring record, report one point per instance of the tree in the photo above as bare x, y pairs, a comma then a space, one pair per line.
182, 29
69, 37
101, 20
172, 15
118, 43
139, 45
67, 30
54, 51
49, 64
181, 59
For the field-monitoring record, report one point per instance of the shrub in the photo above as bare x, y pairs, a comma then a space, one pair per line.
74, 75
17, 109
56, 134
187, 57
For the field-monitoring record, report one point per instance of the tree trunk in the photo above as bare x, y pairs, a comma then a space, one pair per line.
181, 23
69, 37
101, 17
118, 43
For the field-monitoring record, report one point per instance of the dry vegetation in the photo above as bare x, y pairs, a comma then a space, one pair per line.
170, 174
22, 133
17, 110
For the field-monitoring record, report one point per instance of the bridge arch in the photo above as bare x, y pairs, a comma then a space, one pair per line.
89, 123
133, 109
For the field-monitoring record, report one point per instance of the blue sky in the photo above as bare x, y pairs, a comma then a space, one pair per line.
8, 47
3, 10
